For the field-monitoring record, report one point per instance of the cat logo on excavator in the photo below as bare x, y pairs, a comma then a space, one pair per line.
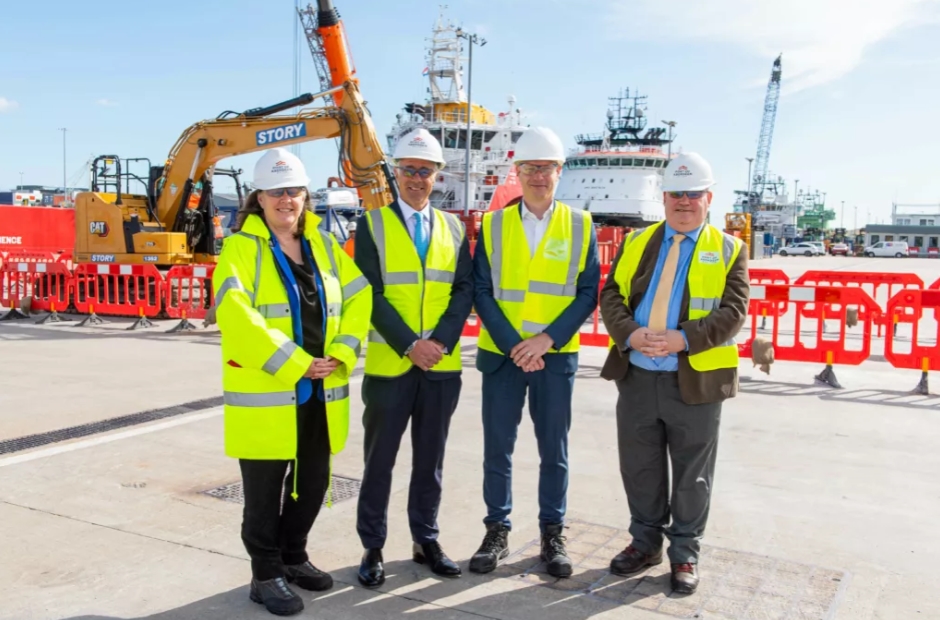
99, 228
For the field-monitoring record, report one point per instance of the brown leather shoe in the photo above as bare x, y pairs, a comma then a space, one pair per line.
684, 578
631, 561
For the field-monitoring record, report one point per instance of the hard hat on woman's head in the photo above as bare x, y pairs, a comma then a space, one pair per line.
688, 172
279, 168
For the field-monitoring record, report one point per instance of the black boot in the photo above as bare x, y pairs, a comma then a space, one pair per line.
371, 570
495, 547
308, 577
553, 551
432, 555
276, 596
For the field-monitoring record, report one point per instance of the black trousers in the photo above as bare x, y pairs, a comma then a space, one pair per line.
656, 429
390, 404
274, 525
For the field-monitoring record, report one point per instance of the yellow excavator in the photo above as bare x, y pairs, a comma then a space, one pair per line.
175, 221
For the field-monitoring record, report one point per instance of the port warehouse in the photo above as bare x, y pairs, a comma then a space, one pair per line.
920, 237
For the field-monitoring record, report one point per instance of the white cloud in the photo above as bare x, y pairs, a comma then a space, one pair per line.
7, 105
821, 40
107, 103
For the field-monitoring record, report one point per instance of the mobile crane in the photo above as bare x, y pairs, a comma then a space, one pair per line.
175, 221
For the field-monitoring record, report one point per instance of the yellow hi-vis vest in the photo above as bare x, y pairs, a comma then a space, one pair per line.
712, 258
532, 290
419, 293
261, 364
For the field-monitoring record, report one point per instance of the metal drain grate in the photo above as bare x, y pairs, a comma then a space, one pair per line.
343, 489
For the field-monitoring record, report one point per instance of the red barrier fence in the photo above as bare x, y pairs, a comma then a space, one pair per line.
188, 292
118, 290
921, 357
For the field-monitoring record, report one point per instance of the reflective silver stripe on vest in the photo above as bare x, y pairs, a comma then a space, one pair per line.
533, 328
549, 288
328, 244
274, 311
280, 357
375, 336
249, 399
400, 277
350, 341
354, 287
257, 269
508, 294
730, 343
727, 249
496, 259
337, 393
577, 246
456, 231
707, 304
230, 283
439, 275
334, 309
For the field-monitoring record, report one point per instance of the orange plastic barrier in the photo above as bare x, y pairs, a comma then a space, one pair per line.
25, 256
188, 291
923, 357
870, 282
118, 290
595, 337
768, 276
606, 252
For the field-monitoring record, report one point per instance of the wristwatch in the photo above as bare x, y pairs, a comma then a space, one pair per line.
410, 348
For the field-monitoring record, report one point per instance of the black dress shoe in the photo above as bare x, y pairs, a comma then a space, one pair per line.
432, 554
371, 570
276, 596
684, 578
554, 553
495, 547
631, 561
308, 577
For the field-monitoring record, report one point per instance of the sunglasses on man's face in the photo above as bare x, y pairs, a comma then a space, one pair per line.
410, 172
532, 169
293, 192
691, 195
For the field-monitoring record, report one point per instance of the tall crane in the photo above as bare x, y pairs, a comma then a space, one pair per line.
762, 160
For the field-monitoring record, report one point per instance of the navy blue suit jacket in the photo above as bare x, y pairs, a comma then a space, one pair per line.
386, 319
561, 330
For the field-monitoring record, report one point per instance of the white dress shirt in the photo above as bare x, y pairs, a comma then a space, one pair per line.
409, 214
534, 227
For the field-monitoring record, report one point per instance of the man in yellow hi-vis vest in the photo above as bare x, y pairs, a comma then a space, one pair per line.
417, 259
676, 297
536, 277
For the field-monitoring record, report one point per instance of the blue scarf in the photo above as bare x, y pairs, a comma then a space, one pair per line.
305, 385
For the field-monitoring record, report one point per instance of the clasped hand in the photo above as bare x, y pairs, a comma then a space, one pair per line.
657, 344
322, 368
527, 355
426, 354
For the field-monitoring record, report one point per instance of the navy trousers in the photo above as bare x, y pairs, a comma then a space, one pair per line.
389, 404
504, 393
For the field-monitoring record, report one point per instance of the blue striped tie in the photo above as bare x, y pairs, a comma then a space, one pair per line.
421, 242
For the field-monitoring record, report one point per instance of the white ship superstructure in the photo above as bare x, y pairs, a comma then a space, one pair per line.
617, 175
444, 114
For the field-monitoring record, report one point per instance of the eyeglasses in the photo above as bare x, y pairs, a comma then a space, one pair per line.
410, 172
691, 195
293, 192
532, 169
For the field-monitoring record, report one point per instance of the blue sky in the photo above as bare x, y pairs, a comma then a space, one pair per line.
858, 118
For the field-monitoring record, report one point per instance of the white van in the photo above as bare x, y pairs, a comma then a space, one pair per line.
888, 248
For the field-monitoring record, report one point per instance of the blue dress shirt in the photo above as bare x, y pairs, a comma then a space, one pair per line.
642, 315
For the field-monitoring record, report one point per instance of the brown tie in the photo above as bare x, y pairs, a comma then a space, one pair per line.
660, 308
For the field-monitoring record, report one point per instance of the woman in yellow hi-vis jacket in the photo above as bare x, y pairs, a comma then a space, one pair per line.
293, 310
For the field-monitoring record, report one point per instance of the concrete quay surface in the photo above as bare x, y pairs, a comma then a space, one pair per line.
824, 502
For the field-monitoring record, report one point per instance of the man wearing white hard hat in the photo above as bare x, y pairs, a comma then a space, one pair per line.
536, 275
676, 297
417, 259
293, 310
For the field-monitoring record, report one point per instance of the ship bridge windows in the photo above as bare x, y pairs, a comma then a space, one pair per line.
515, 136
602, 161
592, 162
454, 138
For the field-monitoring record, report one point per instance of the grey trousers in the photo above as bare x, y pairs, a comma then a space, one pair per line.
651, 420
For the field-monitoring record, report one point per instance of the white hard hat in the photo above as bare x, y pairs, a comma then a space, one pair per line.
351, 226
539, 143
279, 168
419, 144
687, 172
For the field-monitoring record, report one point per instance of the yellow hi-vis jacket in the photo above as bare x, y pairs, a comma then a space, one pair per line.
261, 364
532, 290
419, 293
714, 254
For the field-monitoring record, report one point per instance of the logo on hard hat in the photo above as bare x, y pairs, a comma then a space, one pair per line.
416, 141
280, 166
682, 171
